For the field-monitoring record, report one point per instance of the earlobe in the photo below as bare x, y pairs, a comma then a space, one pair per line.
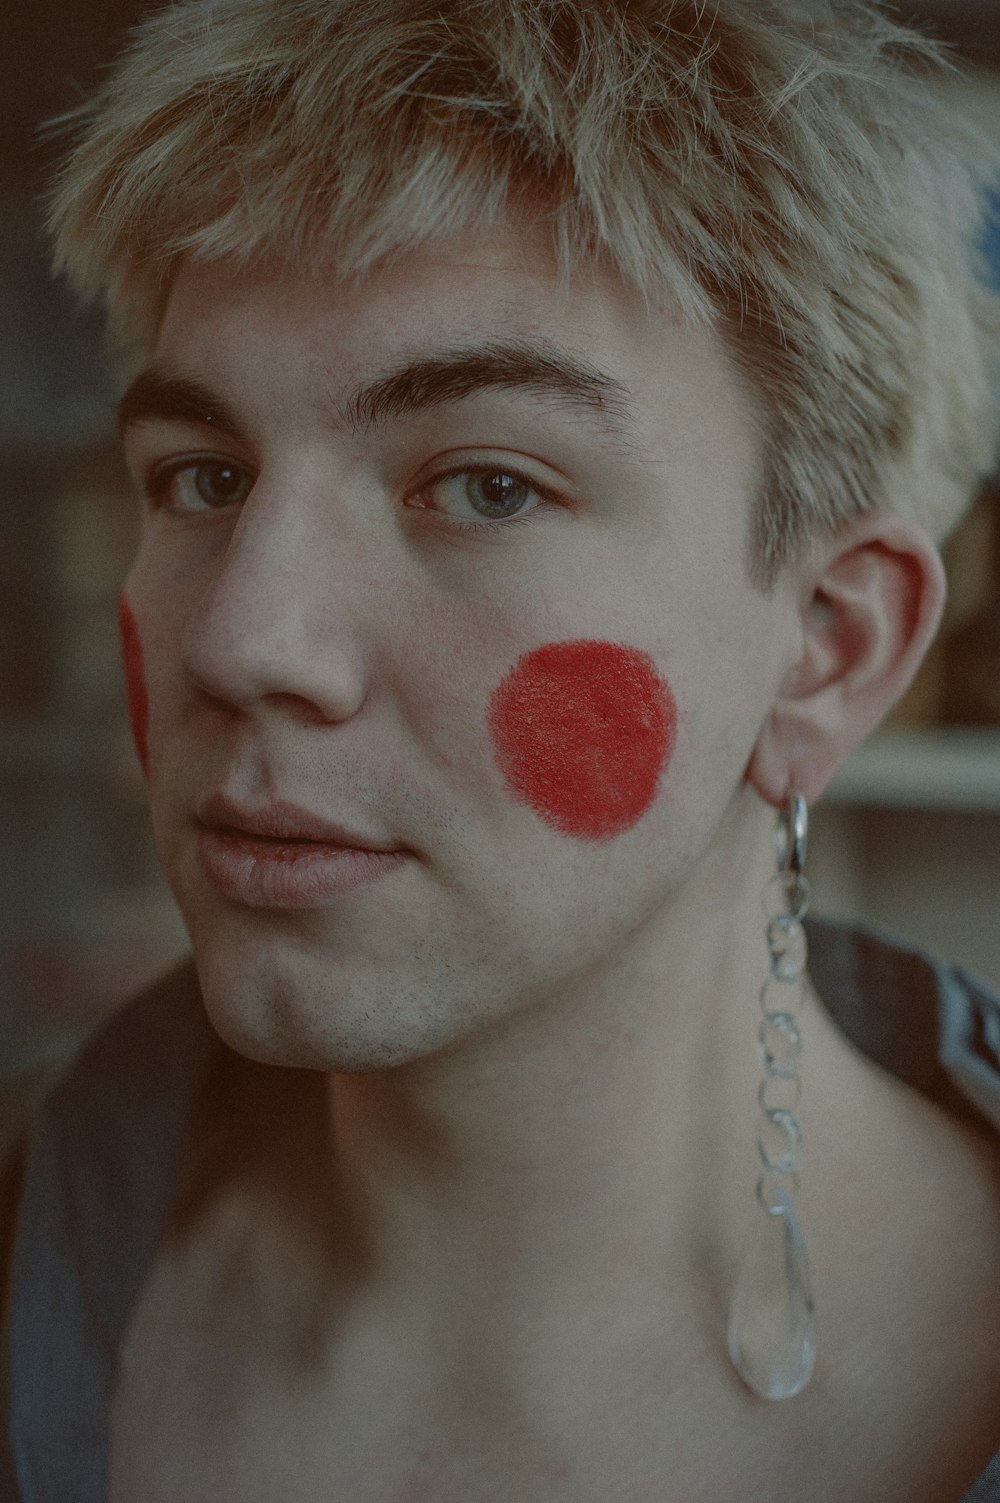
870, 604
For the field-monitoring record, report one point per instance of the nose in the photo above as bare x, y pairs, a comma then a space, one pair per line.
279, 622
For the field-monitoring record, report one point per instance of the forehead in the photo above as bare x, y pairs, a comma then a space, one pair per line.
649, 371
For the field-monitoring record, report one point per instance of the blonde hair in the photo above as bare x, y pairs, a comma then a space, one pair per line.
783, 167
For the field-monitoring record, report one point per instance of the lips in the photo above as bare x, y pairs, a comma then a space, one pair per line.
285, 823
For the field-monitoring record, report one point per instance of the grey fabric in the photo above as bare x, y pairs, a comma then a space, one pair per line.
98, 1173
100, 1167
932, 1025
986, 1488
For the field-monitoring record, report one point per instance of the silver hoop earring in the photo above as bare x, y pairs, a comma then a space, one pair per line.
771, 1323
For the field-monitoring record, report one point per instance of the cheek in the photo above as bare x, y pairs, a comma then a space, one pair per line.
582, 733
135, 680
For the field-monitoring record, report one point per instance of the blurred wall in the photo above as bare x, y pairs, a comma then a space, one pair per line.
85, 914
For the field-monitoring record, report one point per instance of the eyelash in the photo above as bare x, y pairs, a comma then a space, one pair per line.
158, 481
545, 493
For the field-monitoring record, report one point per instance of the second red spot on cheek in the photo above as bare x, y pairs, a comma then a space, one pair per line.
135, 681
583, 731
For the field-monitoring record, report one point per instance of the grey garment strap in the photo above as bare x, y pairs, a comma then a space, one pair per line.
100, 1169
970, 1041
11, 1185
986, 1488
932, 1025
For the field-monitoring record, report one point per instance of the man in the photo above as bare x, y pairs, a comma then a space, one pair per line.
543, 417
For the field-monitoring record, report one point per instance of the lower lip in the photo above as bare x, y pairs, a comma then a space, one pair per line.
262, 873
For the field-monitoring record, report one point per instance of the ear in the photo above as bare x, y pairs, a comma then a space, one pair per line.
870, 599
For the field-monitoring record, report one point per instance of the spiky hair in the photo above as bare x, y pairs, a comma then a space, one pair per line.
783, 168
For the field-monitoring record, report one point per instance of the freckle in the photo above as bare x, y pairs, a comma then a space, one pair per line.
135, 681
583, 732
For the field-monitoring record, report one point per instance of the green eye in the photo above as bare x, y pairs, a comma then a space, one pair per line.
200, 486
220, 484
496, 493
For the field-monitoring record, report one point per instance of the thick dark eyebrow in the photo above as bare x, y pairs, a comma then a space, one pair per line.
157, 394
414, 386
511, 365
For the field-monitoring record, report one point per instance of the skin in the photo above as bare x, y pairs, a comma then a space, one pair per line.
277, 659
517, 1169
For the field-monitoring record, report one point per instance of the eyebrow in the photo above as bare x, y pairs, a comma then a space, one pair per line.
541, 368
161, 395
417, 385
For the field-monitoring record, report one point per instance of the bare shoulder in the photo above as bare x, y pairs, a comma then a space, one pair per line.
904, 1234
902, 1210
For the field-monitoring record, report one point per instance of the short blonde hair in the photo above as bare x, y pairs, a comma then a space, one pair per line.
782, 167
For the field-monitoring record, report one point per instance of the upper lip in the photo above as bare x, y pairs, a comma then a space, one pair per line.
281, 820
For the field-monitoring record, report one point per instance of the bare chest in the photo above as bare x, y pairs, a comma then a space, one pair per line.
202, 1417
229, 1398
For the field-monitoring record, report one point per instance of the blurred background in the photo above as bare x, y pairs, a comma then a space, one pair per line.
908, 836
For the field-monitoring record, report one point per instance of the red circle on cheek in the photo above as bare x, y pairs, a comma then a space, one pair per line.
583, 731
135, 681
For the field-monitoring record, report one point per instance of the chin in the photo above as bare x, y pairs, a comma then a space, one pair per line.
317, 1017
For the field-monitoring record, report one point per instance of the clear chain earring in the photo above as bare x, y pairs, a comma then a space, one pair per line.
771, 1322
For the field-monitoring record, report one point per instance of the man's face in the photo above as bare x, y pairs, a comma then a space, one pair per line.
458, 561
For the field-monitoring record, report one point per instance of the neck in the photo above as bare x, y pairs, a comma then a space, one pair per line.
609, 1128
554, 1178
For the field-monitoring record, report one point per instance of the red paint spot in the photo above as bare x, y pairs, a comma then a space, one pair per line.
135, 681
583, 731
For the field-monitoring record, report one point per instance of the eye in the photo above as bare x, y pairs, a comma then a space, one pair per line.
490, 493
198, 486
